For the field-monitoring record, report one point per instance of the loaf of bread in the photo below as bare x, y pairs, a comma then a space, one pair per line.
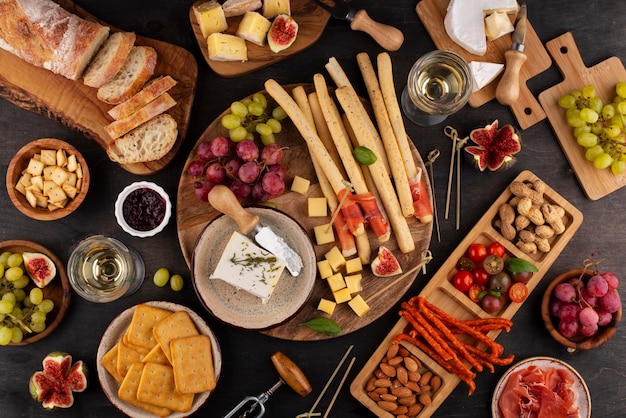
150, 141
109, 59
44, 34
159, 105
153, 89
135, 72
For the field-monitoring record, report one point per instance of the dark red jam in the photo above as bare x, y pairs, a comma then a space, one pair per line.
144, 209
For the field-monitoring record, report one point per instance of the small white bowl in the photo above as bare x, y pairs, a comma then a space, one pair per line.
119, 209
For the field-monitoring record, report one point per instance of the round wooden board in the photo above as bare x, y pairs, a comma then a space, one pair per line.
381, 294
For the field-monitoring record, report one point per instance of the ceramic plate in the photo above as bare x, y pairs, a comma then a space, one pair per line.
112, 335
237, 307
583, 402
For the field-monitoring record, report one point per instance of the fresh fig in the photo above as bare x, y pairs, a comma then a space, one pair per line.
282, 33
495, 148
54, 386
385, 264
40, 268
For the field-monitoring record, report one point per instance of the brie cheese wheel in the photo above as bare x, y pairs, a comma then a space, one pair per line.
465, 21
484, 73
248, 267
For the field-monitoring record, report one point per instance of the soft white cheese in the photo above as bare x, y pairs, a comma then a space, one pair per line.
465, 21
484, 73
247, 266
497, 24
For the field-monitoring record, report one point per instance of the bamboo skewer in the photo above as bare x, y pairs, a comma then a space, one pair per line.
432, 156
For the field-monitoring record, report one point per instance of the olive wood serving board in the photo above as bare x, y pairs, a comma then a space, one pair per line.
311, 20
527, 110
381, 294
441, 292
75, 105
604, 76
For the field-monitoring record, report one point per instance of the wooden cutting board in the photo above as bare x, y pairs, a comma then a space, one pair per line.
75, 105
604, 76
527, 110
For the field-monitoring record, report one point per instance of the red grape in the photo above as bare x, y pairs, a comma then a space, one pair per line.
588, 317
273, 183
202, 189
249, 172
555, 307
590, 300
569, 312
604, 318
204, 151
195, 168
220, 146
240, 189
597, 286
588, 330
259, 194
610, 302
215, 173
568, 329
272, 154
232, 168
611, 279
247, 150
277, 168
565, 292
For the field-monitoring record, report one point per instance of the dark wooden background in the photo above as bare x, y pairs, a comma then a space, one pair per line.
598, 28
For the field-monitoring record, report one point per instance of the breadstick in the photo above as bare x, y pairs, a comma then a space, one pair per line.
323, 132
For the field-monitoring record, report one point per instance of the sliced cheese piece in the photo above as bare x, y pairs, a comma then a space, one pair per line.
484, 73
247, 266
359, 306
253, 28
317, 207
324, 234
324, 268
210, 17
326, 305
224, 47
497, 24
300, 185
273, 8
465, 21
335, 258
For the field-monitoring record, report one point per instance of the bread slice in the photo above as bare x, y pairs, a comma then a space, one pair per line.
151, 91
148, 142
159, 105
137, 69
109, 59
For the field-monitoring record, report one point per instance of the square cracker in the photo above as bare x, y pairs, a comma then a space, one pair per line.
192, 361
128, 391
126, 356
144, 319
109, 362
156, 387
177, 325
156, 355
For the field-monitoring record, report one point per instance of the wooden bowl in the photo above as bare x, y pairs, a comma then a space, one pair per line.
577, 343
19, 163
58, 290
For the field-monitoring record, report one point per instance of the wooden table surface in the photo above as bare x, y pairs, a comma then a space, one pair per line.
598, 29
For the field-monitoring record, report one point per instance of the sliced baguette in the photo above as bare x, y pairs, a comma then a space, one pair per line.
109, 59
148, 142
159, 105
137, 69
151, 91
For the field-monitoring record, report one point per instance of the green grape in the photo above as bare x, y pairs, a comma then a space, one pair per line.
617, 120
260, 99
231, 121
263, 129
602, 161
268, 139
1, 271
36, 295
9, 297
161, 277
13, 273
581, 130
618, 166
4, 257
621, 108
20, 294
589, 91
46, 305
593, 152
279, 113
6, 334
275, 124
27, 303
38, 317
567, 101
37, 326
238, 134
608, 111
17, 312
249, 136
22, 282
575, 120
612, 131
176, 282
15, 260
577, 93
588, 115
597, 128
256, 109
595, 104
620, 89
16, 335
6, 306
239, 109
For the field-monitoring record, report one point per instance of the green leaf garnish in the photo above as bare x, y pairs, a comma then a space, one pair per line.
519, 265
323, 326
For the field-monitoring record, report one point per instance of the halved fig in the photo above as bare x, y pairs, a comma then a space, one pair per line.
54, 386
40, 268
282, 33
385, 264
495, 148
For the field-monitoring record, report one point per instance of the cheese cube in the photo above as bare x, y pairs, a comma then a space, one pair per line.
327, 306
254, 27
342, 295
359, 306
497, 24
324, 234
224, 47
273, 8
300, 185
335, 258
324, 268
317, 206
336, 282
353, 265
353, 283
210, 17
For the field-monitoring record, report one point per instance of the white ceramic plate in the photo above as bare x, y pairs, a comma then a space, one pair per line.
112, 335
237, 307
580, 387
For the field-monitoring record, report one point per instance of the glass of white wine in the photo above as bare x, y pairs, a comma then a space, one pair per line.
102, 269
438, 85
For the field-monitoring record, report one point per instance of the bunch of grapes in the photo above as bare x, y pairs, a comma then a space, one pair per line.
250, 116
20, 312
599, 127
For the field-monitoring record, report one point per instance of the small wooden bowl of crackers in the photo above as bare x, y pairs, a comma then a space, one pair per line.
158, 358
47, 179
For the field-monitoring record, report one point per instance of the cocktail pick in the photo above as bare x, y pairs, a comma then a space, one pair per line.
457, 146
432, 156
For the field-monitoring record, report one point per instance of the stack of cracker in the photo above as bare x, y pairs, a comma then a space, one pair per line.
161, 361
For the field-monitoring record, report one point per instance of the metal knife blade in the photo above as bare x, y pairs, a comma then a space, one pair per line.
388, 37
225, 201
519, 34
507, 91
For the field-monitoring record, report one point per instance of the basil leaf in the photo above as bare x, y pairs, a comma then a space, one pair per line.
323, 326
519, 265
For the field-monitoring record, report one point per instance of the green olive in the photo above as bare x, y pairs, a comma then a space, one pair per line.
364, 155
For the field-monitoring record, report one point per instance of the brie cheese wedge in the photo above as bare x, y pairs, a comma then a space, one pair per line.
484, 73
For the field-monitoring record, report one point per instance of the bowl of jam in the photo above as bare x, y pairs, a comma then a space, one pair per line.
143, 209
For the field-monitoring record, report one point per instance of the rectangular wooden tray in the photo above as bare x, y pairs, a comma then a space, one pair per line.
440, 292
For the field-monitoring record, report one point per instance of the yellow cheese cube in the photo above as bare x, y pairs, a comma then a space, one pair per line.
317, 206
335, 258
353, 265
336, 282
359, 306
273, 8
300, 185
342, 295
324, 234
324, 268
353, 283
327, 306
210, 17
497, 24
254, 27
224, 47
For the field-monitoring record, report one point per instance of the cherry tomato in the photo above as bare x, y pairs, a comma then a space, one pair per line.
465, 263
493, 264
474, 292
500, 282
481, 276
518, 292
463, 280
477, 252
497, 249
522, 276
491, 304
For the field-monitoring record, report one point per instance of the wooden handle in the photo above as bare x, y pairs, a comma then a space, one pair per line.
291, 374
507, 91
387, 36
224, 200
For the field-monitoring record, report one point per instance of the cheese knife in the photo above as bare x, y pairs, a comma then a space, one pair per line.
507, 91
225, 201
388, 37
